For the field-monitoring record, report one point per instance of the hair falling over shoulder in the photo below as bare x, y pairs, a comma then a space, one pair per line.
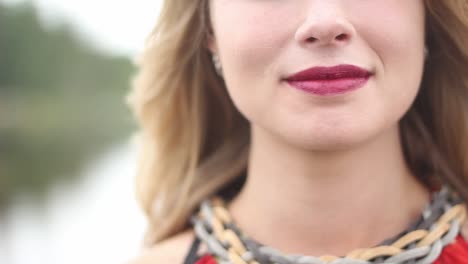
193, 142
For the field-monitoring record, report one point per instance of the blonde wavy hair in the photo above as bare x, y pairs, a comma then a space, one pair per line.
194, 142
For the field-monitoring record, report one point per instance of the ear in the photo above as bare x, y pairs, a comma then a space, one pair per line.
211, 44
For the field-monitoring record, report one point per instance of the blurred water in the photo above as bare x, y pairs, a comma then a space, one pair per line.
94, 221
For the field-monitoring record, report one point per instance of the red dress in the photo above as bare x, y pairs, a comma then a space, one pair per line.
454, 253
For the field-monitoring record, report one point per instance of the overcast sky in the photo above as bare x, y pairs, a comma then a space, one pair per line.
116, 25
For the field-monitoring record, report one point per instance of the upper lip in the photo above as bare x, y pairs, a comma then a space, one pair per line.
342, 71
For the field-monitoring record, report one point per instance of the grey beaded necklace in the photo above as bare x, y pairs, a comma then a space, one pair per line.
441, 202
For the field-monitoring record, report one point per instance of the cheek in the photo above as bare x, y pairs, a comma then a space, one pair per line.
393, 29
394, 32
248, 48
250, 34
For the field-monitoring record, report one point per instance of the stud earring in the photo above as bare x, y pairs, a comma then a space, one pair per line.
217, 64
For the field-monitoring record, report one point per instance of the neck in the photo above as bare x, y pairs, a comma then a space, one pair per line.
325, 203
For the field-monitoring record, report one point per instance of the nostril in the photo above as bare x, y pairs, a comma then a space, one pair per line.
312, 39
342, 37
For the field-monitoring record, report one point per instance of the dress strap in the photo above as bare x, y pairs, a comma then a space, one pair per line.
192, 256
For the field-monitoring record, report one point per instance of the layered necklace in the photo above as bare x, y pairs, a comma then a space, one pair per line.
421, 243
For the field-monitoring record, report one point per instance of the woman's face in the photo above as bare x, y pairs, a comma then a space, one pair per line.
263, 43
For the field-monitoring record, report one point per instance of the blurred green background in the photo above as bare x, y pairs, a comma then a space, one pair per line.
61, 103
67, 159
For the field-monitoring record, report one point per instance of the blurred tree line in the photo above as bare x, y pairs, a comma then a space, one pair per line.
61, 103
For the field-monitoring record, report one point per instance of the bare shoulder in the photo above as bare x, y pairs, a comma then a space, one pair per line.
172, 250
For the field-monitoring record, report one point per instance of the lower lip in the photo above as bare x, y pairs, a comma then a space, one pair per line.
329, 87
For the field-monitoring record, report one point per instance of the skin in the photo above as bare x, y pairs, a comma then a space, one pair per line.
323, 171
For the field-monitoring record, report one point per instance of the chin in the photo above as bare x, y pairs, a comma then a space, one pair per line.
327, 145
337, 139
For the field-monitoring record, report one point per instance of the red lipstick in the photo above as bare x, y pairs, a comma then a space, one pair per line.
330, 80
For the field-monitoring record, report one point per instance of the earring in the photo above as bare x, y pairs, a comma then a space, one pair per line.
426, 52
217, 64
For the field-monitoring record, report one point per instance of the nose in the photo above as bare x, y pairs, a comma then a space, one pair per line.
324, 28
